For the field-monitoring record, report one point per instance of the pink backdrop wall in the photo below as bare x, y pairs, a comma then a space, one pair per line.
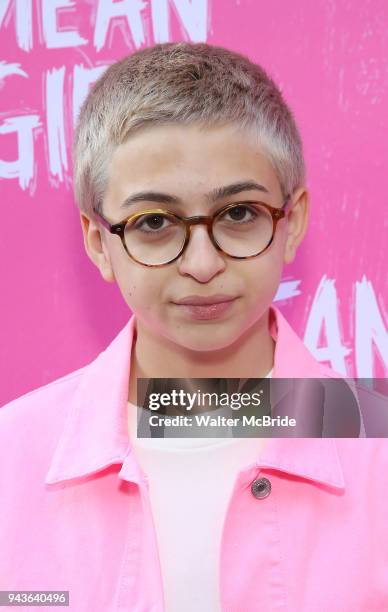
330, 60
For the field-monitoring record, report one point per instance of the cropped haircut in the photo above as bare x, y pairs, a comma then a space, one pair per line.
181, 83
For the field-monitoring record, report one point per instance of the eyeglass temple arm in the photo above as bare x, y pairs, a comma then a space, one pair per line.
287, 204
114, 228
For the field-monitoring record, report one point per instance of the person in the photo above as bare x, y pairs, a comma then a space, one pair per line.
190, 178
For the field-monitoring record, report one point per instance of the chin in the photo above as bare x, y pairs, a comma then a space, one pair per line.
206, 340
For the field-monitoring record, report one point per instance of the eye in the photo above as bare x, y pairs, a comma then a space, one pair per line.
240, 214
151, 223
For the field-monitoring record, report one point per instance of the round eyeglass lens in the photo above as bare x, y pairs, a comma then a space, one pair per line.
154, 238
243, 230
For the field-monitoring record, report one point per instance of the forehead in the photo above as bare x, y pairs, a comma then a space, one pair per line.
188, 160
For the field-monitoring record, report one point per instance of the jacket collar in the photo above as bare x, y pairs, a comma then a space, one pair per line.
95, 434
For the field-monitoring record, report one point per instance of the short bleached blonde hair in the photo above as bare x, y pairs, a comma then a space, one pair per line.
181, 83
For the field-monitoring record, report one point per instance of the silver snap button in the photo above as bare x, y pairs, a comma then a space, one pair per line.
261, 487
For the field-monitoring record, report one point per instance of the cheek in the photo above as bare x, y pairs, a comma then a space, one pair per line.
138, 293
141, 288
262, 277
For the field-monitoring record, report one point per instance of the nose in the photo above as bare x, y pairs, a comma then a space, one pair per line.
201, 259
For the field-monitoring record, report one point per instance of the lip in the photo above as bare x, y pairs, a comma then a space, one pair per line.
199, 300
201, 311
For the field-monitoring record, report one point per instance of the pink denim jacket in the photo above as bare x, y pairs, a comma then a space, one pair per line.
75, 511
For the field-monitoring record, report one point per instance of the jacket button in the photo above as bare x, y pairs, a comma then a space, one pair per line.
261, 487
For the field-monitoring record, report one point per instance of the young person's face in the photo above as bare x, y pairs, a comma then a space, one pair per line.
188, 162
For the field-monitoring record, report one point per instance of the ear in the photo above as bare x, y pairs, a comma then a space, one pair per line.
96, 247
297, 223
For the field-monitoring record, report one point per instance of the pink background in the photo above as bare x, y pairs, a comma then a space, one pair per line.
330, 60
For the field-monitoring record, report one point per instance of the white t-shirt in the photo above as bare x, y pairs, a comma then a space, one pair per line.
190, 485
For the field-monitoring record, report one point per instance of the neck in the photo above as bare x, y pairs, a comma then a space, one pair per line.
251, 356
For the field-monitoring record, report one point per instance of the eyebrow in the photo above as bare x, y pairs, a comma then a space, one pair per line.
216, 194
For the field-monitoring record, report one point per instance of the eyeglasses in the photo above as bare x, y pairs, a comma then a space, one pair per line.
158, 237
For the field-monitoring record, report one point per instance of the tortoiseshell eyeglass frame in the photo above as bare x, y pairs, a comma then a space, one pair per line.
119, 228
